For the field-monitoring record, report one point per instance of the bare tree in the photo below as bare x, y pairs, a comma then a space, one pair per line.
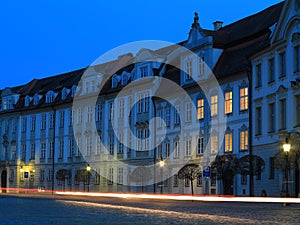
190, 172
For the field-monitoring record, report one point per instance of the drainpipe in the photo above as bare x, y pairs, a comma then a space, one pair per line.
251, 181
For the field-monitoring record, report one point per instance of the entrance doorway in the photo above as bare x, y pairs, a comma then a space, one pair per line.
228, 182
4, 181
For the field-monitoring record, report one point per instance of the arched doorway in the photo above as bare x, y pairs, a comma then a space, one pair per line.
4, 181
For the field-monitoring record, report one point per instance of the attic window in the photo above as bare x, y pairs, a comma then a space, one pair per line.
124, 79
36, 100
115, 81
7, 104
27, 101
64, 93
144, 71
50, 97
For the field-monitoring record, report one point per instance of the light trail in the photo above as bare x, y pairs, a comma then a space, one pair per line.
166, 213
185, 197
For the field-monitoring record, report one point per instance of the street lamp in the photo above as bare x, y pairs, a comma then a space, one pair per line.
286, 149
88, 169
161, 166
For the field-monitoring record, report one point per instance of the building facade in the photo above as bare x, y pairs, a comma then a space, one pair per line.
76, 131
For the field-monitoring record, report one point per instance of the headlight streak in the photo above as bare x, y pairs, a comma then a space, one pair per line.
186, 197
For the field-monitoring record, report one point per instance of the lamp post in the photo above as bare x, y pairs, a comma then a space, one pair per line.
161, 166
286, 149
88, 169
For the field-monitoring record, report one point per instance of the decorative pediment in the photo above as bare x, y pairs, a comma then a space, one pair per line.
295, 84
281, 90
228, 88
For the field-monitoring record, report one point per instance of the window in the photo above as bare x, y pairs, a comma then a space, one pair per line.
51, 120
271, 168
98, 147
61, 149
175, 181
243, 179
33, 123
42, 175
186, 182
120, 144
271, 70
214, 105
176, 115
79, 143
89, 114
61, 119
271, 117
32, 151
111, 176
189, 70
161, 118
79, 116
258, 121
199, 180
50, 97
51, 149
244, 140
143, 102
71, 147
228, 141
200, 109
43, 122
167, 149
88, 140
144, 71
297, 58
98, 112
188, 144
176, 148
168, 116
201, 66
111, 144
243, 99
50, 175
258, 76
23, 154
228, 102
120, 176
200, 145
97, 177
282, 114
71, 117
121, 108
43, 150
214, 144
111, 111
188, 112
24, 124
297, 110
87, 87
282, 64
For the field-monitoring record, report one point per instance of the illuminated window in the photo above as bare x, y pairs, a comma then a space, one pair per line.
243, 98
200, 108
214, 105
228, 102
244, 140
228, 142
214, 144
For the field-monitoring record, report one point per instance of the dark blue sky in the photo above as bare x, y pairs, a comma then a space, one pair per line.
40, 38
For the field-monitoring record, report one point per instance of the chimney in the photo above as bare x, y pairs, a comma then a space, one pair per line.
218, 25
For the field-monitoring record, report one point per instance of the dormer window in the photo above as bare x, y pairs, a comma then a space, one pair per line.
7, 104
50, 97
74, 90
144, 71
65, 93
27, 101
36, 99
201, 66
115, 81
124, 79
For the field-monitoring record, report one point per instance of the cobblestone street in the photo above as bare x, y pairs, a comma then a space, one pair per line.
84, 210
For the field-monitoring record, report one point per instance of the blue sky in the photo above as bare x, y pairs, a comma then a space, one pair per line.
41, 38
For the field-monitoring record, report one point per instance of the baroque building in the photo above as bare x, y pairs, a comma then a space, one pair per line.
94, 129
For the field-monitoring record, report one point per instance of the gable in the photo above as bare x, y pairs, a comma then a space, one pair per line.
290, 16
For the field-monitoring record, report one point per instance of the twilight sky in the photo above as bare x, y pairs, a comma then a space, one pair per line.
40, 38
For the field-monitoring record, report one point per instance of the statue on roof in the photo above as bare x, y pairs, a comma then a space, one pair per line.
196, 20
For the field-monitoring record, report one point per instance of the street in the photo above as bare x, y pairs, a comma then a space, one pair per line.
87, 210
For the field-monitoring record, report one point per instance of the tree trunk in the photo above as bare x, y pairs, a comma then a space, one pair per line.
192, 187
